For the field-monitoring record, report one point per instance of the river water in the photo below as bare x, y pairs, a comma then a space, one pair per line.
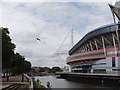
64, 83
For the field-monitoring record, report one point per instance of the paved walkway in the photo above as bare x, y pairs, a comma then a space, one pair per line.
14, 79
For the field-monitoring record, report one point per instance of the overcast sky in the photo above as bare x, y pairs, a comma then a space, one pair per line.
51, 22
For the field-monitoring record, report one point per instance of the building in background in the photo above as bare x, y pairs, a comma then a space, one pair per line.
37, 70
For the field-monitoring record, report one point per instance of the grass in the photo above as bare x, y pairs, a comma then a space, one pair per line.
37, 85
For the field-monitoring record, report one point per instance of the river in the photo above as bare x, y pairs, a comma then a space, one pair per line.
64, 83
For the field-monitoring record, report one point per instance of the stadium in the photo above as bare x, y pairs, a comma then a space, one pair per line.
99, 50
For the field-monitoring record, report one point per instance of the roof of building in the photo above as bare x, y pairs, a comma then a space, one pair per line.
102, 27
91, 34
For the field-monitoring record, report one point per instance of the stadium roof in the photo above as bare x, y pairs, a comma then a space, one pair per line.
92, 34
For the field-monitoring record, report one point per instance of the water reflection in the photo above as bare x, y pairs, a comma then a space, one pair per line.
63, 83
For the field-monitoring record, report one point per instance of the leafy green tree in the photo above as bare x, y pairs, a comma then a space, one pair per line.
27, 66
20, 65
55, 69
12, 62
7, 49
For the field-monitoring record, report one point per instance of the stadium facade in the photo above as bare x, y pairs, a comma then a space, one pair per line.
99, 50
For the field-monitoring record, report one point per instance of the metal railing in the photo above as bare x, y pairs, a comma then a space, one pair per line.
31, 82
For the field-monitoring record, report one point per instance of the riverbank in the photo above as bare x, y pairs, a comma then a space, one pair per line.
43, 74
37, 85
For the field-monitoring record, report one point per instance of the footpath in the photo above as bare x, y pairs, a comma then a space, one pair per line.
23, 81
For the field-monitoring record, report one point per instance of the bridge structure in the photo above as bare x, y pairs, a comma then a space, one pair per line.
99, 50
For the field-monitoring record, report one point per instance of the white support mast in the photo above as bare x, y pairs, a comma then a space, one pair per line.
71, 43
72, 38
115, 8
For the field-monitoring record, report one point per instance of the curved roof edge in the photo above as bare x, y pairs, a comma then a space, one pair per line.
102, 27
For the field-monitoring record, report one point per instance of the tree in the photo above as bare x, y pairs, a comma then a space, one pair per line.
55, 69
7, 50
27, 66
20, 65
12, 62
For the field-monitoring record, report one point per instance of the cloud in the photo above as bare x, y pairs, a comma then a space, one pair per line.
50, 22
57, 1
